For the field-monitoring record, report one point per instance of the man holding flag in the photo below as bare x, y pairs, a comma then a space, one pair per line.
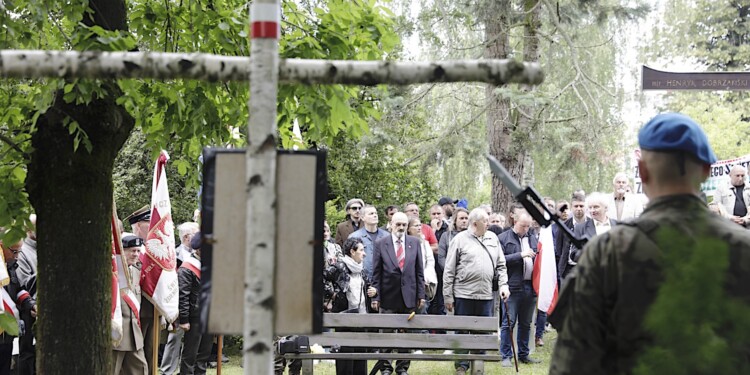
14, 298
128, 356
158, 275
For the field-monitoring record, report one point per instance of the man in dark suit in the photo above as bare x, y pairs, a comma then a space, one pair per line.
600, 223
562, 242
398, 276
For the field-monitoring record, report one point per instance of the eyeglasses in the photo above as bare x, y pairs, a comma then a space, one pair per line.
355, 208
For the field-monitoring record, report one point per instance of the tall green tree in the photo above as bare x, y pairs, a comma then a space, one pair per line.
60, 138
714, 36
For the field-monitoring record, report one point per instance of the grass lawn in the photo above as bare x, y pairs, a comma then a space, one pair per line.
430, 367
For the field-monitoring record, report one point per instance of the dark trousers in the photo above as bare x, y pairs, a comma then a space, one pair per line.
6, 354
471, 307
351, 367
521, 306
195, 350
437, 305
26, 348
541, 321
401, 365
147, 328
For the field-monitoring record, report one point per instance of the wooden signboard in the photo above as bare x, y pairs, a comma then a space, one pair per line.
653, 79
301, 191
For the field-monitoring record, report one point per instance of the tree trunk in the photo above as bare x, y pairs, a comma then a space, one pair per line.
508, 130
500, 126
71, 192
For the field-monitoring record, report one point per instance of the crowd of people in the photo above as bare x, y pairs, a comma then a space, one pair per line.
466, 262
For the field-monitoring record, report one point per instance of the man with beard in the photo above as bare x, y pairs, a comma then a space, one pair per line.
352, 222
398, 278
562, 242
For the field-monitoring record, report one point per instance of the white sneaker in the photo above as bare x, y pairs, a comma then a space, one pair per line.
448, 352
417, 352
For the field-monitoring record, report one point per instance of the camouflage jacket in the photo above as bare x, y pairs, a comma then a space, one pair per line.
618, 277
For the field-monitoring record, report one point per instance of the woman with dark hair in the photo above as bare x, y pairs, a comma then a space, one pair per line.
351, 288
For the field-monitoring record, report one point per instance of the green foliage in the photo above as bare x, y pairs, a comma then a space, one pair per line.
334, 215
8, 323
720, 44
184, 116
697, 327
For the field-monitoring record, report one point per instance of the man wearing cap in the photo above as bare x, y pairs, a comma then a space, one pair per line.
139, 222
128, 355
352, 222
622, 273
448, 206
735, 196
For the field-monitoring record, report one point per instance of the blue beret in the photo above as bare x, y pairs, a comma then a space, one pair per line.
676, 132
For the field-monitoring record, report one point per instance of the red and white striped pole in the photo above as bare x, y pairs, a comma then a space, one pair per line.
260, 238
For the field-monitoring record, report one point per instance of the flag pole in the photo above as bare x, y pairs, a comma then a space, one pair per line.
155, 344
219, 354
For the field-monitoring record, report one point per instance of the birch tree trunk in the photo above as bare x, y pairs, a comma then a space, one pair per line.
71, 192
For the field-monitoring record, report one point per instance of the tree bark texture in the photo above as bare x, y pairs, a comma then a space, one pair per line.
526, 125
212, 68
500, 125
71, 192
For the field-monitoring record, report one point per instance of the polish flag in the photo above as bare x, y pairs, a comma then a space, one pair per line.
158, 262
545, 272
116, 271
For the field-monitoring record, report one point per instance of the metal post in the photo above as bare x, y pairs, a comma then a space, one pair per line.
260, 246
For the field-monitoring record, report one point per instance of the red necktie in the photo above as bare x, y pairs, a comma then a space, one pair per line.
400, 254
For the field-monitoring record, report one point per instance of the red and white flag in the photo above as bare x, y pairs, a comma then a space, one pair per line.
545, 272
116, 269
158, 263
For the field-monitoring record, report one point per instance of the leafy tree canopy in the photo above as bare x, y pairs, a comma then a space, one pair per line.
183, 115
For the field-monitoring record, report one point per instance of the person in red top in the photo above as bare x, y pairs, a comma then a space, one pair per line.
412, 210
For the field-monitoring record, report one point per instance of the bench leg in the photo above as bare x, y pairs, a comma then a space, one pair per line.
477, 367
307, 367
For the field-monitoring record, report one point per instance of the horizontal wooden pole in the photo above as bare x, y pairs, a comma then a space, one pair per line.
406, 340
208, 67
421, 321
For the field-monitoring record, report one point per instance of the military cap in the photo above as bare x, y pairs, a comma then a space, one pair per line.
131, 241
676, 132
141, 214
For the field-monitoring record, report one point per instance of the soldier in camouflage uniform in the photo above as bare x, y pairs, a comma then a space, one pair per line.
601, 311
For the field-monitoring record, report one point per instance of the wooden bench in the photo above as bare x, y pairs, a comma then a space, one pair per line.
482, 336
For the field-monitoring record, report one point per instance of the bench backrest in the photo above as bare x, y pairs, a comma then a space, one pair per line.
483, 334
425, 322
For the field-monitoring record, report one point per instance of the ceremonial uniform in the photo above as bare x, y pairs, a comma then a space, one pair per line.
15, 300
128, 357
677, 253
618, 278
196, 349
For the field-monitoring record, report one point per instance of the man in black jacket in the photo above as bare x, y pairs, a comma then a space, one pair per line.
15, 300
197, 347
520, 251
562, 242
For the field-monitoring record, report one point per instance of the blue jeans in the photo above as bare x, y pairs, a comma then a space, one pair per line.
471, 307
541, 321
521, 306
